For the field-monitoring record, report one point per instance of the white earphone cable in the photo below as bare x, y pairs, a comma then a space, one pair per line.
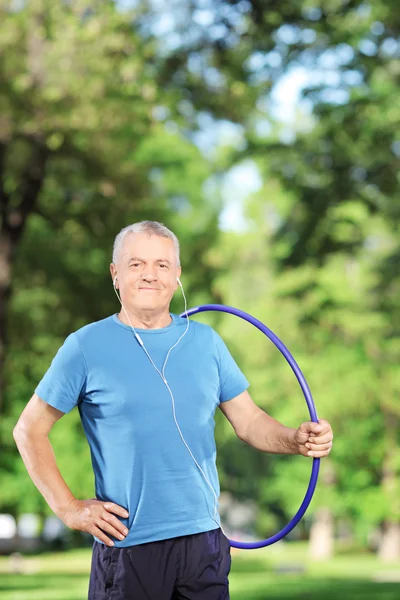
162, 375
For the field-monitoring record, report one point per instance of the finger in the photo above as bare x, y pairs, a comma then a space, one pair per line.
321, 439
114, 508
318, 428
305, 427
325, 426
318, 454
116, 523
314, 428
318, 447
101, 535
108, 528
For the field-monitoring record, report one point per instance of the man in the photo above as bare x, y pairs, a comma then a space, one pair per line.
147, 384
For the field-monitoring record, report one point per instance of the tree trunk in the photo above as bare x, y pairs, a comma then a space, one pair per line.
389, 547
5, 289
13, 217
322, 535
321, 545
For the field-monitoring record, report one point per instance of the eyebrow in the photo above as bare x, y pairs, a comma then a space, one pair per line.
142, 259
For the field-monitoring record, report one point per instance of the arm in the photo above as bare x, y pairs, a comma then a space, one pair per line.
256, 428
31, 436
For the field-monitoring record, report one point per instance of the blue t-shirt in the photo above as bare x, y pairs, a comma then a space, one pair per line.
139, 458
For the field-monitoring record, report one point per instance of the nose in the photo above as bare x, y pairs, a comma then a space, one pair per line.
149, 275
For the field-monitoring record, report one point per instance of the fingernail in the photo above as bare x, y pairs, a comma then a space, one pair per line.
310, 453
111, 543
126, 515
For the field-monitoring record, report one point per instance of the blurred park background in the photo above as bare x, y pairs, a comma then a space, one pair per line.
266, 135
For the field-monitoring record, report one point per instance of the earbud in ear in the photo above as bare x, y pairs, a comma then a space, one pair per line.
114, 281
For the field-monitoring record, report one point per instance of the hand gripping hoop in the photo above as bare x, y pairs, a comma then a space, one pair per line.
311, 408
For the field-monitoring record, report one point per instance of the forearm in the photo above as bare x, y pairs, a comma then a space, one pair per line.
269, 435
38, 455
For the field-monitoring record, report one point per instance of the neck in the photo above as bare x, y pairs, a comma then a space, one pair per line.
145, 319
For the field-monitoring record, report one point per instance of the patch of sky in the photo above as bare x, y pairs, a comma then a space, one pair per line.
212, 134
274, 59
171, 127
288, 34
260, 60
368, 47
238, 183
214, 78
186, 109
160, 113
334, 96
313, 13
256, 61
396, 148
196, 62
263, 128
180, 204
358, 173
308, 36
203, 17
377, 28
363, 10
336, 57
285, 99
390, 47
218, 31
164, 25
352, 77
17, 5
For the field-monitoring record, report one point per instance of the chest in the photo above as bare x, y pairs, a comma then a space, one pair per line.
124, 386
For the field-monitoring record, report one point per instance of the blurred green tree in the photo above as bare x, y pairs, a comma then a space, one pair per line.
85, 151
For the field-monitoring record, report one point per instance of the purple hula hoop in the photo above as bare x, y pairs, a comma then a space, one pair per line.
311, 408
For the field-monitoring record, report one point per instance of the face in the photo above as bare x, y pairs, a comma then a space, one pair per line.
146, 272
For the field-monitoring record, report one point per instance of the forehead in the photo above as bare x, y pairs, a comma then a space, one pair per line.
148, 246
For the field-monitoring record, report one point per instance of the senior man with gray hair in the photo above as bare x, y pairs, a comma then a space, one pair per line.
147, 386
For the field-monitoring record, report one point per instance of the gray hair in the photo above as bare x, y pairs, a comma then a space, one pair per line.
150, 227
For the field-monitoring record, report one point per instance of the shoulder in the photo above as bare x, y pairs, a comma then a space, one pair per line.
206, 335
201, 329
92, 331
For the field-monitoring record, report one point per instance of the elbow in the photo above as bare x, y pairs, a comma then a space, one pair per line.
16, 433
245, 433
241, 434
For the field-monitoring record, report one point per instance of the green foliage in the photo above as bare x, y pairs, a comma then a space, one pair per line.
80, 91
100, 107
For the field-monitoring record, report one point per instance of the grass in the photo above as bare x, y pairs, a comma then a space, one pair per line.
282, 571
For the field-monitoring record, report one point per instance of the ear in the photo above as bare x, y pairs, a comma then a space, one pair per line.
178, 275
113, 271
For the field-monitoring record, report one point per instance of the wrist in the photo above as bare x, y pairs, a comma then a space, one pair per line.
291, 441
60, 510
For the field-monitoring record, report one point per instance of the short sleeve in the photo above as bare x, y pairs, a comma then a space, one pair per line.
64, 383
232, 380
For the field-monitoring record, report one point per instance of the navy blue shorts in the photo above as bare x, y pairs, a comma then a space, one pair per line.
191, 567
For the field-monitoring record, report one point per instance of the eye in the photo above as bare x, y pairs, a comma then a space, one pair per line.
164, 266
